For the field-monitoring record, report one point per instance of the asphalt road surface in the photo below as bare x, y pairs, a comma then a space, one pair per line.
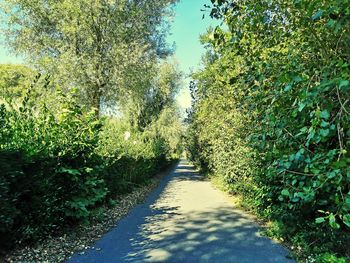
184, 220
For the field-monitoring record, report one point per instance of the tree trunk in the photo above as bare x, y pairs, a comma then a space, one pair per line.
96, 101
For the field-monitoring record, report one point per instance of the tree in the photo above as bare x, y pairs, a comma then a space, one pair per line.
13, 80
146, 104
98, 46
169, 127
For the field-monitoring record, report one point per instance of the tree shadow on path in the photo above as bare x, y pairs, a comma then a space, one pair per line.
162, 231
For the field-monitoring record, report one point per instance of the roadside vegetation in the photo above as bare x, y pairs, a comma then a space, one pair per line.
90, 118
271, 117
91, 115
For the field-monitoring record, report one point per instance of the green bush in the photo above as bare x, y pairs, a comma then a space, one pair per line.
58, 167
278, 77
130, 161
49, 168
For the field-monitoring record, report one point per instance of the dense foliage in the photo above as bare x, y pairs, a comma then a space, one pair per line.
277, 74
58, 167
104, 48
13, 79
48, 168
98, 120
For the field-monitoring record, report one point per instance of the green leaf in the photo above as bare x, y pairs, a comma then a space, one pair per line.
319, 220
344, 84
331, 23
346, 219
285, 192
317, 15
88, 170
301, 106
324, 132
325, 114
324, 124
69, 171
288, 87
332, 222
304, 130
331, 174
297, 79
347, 200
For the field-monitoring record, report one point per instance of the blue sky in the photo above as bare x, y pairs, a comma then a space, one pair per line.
186, 28
5, 57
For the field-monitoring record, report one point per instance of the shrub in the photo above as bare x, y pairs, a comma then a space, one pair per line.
49, 169
278, 77
57, 167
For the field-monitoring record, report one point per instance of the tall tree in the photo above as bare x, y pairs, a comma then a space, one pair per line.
95, 45
158, 92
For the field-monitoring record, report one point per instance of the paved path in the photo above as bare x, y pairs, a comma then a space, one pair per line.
184, 220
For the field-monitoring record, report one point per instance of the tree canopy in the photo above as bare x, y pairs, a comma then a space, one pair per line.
104, 48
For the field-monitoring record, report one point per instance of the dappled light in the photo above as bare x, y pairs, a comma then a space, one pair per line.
101, 99
185, 220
